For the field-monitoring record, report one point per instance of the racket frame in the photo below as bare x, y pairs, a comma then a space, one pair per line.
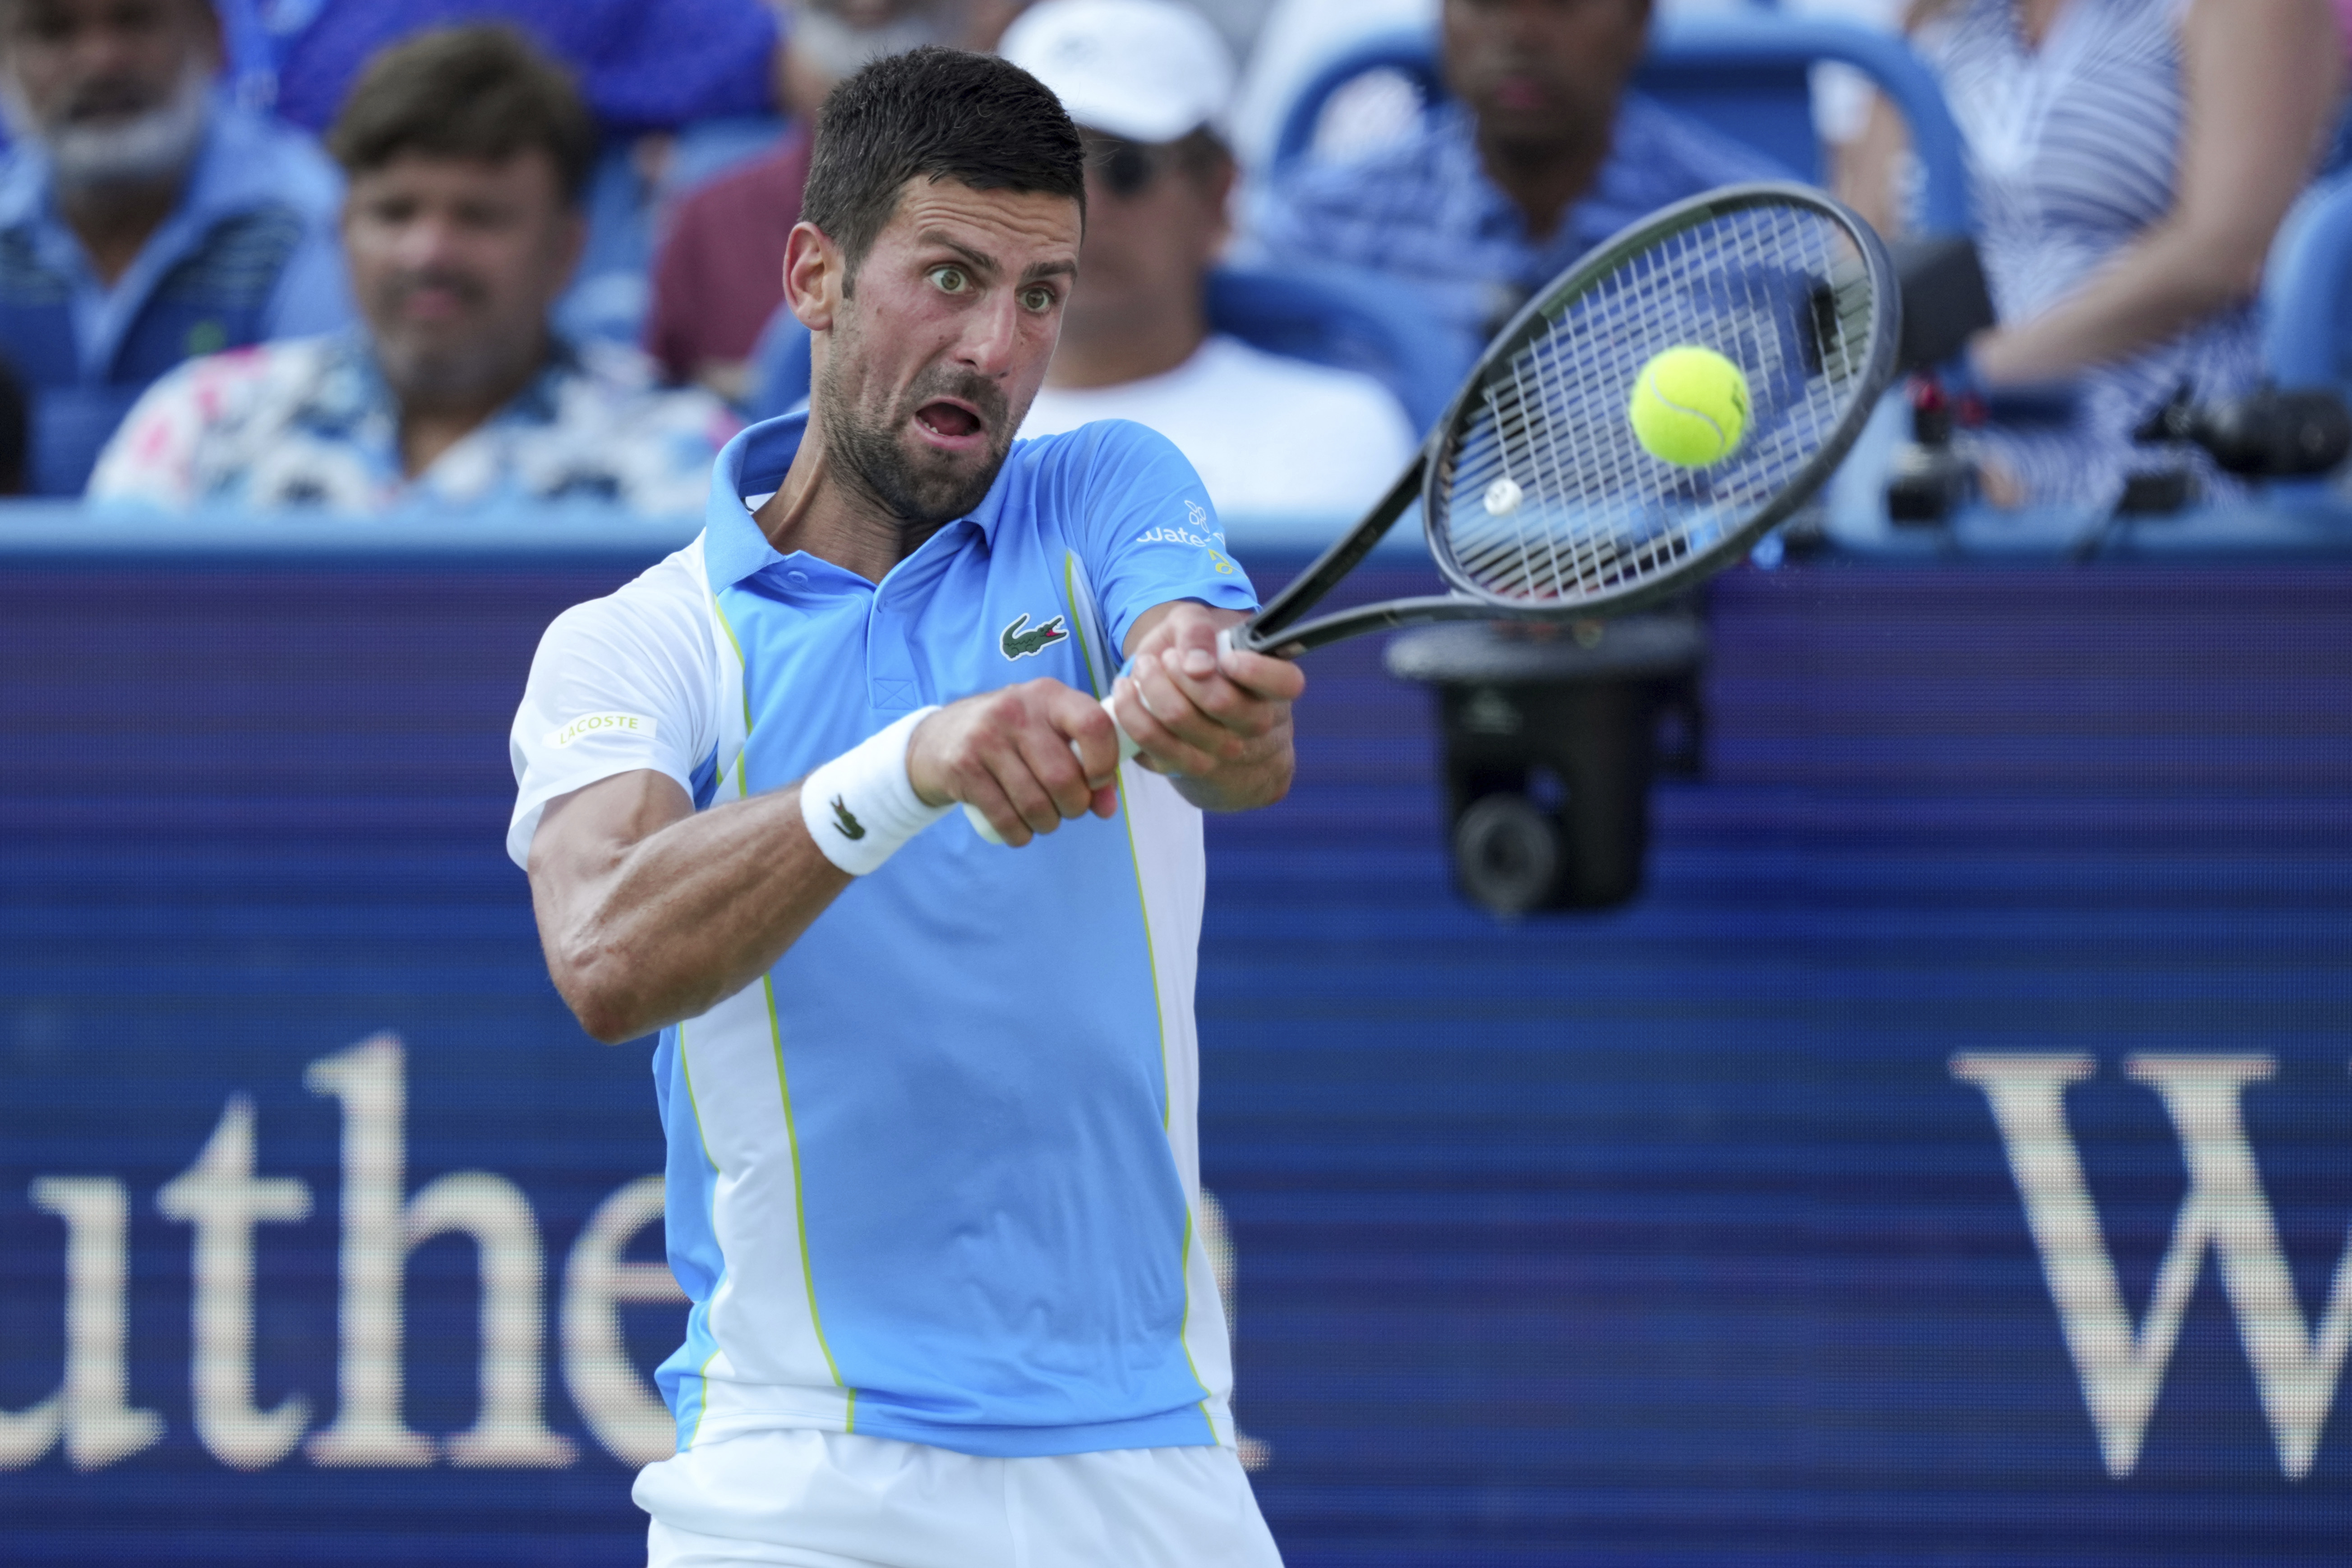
1278, 629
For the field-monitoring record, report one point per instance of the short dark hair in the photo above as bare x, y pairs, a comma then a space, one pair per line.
941, 114
477, 92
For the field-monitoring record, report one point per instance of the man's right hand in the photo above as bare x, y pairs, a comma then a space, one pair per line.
1027, 757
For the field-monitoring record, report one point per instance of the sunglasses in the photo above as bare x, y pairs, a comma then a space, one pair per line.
1127, 168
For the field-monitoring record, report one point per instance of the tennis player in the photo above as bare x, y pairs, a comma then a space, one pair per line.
931, 1103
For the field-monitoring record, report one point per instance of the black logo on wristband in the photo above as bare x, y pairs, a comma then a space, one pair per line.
846, 820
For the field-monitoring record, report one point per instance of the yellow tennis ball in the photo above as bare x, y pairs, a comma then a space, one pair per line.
1690, 407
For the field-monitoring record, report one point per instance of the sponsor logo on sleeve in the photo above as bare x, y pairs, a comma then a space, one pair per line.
1195, 531
635, 726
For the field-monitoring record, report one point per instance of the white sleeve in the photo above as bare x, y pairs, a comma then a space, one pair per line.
620, 684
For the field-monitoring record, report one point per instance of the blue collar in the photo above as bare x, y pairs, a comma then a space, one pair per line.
754, 463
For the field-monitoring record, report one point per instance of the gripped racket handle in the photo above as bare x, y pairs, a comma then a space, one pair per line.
1127, 748
1227, 640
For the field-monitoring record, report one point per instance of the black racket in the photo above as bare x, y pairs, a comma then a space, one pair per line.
1538, 503
1537, 499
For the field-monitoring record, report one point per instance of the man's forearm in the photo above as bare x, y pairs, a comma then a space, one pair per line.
689, 916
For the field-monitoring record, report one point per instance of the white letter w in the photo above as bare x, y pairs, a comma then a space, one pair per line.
2121, 1370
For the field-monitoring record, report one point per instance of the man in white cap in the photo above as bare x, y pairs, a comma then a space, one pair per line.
1149, 82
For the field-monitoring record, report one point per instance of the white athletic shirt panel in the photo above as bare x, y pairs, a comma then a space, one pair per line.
626, 682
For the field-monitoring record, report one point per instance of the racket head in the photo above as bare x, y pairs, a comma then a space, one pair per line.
1538, 501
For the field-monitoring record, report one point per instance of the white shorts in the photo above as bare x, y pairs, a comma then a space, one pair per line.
832, 1499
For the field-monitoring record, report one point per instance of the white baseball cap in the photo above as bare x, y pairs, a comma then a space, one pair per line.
1149, 70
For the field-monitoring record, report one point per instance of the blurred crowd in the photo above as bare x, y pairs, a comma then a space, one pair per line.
353, 255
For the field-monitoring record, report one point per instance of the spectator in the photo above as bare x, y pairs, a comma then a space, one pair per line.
1541, 154
1147, 81
143, 217
718, 275
680, 88
2131, 160
466, 151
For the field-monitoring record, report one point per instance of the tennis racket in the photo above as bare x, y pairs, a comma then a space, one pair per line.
1538, 503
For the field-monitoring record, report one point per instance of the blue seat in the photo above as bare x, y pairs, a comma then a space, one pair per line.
1746, 76
2306, 296
612, 289
1408, 52
1346, 319
2306, 310
1328, 316
780, 367
252, 65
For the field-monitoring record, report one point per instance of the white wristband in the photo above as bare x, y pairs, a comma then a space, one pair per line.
861, 806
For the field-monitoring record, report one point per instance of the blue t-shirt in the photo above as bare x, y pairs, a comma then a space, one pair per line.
934, 1177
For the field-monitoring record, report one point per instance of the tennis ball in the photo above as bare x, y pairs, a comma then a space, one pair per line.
1690, 407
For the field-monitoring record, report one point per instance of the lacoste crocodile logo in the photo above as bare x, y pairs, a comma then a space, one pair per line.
846, 820
1021, 640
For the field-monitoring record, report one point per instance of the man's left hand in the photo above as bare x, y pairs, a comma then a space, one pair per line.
1216, 720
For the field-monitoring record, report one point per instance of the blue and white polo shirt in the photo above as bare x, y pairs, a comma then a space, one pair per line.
935, 1177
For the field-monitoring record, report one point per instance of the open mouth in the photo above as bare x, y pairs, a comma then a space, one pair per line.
1520, 92
951, 421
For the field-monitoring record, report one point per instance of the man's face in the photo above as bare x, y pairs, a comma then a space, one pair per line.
942, 341
1541, 73
1155, 221
454, 262
83, 70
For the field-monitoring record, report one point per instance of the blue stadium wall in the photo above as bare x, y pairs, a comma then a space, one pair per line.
1945, 1160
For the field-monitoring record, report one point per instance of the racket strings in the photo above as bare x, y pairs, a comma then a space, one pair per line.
1546, 497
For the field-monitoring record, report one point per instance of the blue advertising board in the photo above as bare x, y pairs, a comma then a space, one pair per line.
1947, 1158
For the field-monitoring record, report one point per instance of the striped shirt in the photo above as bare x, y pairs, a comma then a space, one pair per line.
1424, 210
2074, 149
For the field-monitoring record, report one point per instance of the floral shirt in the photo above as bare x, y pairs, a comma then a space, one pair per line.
310, 423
